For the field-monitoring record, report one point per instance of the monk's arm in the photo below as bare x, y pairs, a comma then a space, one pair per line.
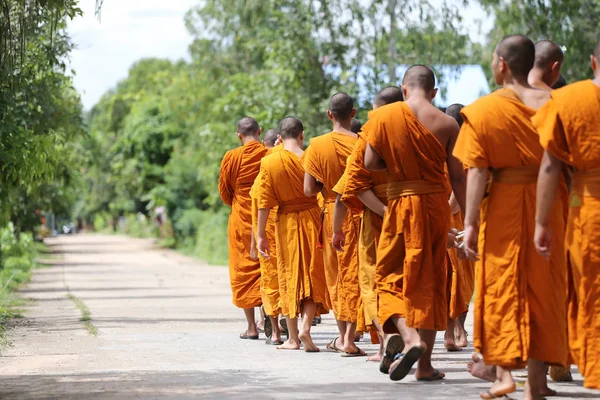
547, 186
340, 212
263, 243
311, 185
453, 204
373, 161
477, 182
225, 189
369, 199
456, 169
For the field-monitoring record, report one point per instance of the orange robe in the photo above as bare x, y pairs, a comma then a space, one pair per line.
411, 267
239, 169
520, 302
569, 129
358, 180
299, 261
325, 160
269, 281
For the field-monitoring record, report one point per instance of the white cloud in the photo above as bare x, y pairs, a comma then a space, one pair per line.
128, 30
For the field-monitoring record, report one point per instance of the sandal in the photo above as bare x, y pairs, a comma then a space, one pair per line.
394, 345
405, 363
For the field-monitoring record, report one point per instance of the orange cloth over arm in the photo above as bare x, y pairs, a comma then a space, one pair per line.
569, 128
239, 169
325, 160
515, 306
416, 225
300, 263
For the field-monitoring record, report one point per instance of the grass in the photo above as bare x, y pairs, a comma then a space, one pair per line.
86, 316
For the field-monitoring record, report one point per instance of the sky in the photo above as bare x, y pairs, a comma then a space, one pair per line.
134, 29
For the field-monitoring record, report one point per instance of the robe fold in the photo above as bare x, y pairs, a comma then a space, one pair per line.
520, 300
325, 160
269, 280
461, 276
358, 180
239, 169
411, 266
299, 261
569, 128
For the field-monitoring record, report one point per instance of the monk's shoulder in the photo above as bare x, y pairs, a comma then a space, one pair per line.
572, 91
233, 154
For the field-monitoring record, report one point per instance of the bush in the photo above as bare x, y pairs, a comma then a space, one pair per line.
211, 237
102, 221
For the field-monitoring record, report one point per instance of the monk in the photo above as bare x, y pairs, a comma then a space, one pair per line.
412, 141
515, 306
568, 128
356, 125
324, 162
297, 228
239, 169
546, 68
269, 281
461, 273
371, 189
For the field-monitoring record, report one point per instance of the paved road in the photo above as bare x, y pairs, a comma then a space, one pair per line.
167, 329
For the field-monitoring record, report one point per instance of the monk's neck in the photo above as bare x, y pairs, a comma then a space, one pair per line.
249, 139
536, 80
293, 146
343, 128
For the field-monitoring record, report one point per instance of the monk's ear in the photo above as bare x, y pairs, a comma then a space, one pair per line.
330, 115
404, 92
301, 137
593, 62
259, 131
353, 113
555, 67
434, 93
239, 135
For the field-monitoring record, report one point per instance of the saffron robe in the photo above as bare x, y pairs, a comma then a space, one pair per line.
520, 296
358, 180
269, 280
299, 261
325, 160
411, 267
239, 169
569, 128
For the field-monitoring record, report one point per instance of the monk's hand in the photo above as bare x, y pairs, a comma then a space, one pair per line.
469, 245
263, 247
451, 241
543, 240
253, 253
339, 241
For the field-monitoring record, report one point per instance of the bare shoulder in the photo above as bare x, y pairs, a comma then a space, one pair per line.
536, 98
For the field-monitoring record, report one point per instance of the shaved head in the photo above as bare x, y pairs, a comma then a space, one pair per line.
419, 76
290, 128
356, 125
388, 95
341, 106
270, 137
518, 51
547, 53
247, 126
454, 111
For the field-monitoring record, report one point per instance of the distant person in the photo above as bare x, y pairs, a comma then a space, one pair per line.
548, 62
568, 127
302, 285
239, 169
413, 140
371, 189
269, 279
520, 314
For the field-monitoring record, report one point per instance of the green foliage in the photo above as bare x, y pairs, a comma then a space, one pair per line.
573, 24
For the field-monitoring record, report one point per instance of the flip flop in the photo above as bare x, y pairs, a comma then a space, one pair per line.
268, 327
274, 342
394, 345
246, 336
437, 375
357, 353
332, 347
400, 370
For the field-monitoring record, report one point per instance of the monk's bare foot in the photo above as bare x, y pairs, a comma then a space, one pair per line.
375, 357
478, 369
289, 345
429, 375
499, 389
547, 392
349, 348
307, 342
450, 345
462, 343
